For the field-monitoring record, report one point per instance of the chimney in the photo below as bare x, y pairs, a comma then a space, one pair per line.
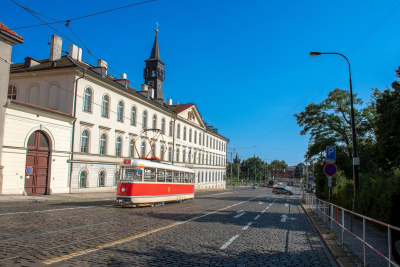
55, 50
151, 92
169, 101
123, 76
144, 87
73, 51
102, 64
80, 54
123, 81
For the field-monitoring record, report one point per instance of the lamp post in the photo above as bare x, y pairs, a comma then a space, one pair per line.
353, 127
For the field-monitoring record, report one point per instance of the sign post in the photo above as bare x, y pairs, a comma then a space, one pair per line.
330, 170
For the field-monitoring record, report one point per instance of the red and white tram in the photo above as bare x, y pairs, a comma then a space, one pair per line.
150, 182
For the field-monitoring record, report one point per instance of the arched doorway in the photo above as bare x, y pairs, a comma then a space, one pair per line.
37, 157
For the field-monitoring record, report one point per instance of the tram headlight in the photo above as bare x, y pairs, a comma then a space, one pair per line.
122, 189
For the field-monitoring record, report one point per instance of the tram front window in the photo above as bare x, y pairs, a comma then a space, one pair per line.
187, 177
169, 176
132, 175
149, 175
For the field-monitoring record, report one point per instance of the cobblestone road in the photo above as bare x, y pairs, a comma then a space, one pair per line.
246, 227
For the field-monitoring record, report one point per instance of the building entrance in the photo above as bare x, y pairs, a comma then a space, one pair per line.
37, 164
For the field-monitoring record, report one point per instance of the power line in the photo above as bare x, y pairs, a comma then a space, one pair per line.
329, 73
69, 38
67, 21
205, 149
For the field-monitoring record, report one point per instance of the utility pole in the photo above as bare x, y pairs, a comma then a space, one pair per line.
255, 171
231, 169
248, 174
307, 173
238, 167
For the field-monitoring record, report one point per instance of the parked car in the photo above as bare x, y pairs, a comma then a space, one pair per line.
282, 190
254, 186
290, 183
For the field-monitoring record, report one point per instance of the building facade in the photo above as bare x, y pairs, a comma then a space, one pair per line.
102, 118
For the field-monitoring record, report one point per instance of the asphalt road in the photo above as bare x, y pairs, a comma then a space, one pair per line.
243, 227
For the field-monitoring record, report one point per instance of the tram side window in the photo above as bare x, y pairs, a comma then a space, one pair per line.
132, 175
182, 176
160, 175
192, 178
169, 177
176, 177
187, 180
149, 175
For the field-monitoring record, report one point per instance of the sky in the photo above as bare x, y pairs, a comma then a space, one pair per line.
245, 64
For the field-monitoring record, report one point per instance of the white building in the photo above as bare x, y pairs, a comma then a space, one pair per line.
91, 119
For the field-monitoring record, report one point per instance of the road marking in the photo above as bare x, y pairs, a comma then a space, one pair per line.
247, 226
26, 212
285, 217
260, 202
263, 211
258, 216
287, 204
82, 252
237, 216
224, 246
239, 211
267, 208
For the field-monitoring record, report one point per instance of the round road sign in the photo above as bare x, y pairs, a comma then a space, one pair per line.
330, 169
29, 170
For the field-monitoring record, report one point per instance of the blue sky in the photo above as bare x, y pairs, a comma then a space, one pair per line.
245, 64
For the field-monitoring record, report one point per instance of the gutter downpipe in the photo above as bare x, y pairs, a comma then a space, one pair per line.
173, 139
73, 130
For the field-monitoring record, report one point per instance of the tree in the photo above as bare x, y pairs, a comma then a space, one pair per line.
298, 172
329, 123
255, 166
277, 164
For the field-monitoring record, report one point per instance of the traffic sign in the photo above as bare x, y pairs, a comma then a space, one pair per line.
29, 170
330, 169
331, 154
310, 177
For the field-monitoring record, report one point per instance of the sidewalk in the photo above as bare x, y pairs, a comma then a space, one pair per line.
57, 197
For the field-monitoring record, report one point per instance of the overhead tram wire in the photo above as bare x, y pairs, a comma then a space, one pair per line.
206, 149
66, 21
68, 38
329, 73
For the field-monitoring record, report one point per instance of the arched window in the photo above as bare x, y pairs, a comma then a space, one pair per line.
162, 152
84, 142
203, 158
214, 144
144, 120
206, 159
131, 148
177, 155
154, 121
163, 125
12, 92
133, 116
103, 144
195, 137
199, 138
104, 107
120, 111
207, 141
153, 152
190, 135
178, 131
87, 101
206, 177
184, 133
183, 156
118, 147
143, 150
170, 128
169, 154
102, 177
82, 179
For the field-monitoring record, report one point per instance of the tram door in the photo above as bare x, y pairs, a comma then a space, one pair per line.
37, 164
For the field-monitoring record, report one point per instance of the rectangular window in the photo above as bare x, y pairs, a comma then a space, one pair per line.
192, 178
182, 177
132, 175
160, 175
176, 177
169, 176
149, 175
187, 180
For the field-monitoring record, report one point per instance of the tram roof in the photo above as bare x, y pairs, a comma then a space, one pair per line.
154, 164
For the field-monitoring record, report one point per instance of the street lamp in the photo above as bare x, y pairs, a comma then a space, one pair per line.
353, 128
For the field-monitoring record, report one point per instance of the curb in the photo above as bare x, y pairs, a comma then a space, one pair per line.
341, 257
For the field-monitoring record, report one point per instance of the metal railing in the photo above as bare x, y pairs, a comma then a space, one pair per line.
326, 209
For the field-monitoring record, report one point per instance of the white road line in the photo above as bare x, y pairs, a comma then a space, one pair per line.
263, 211
224, 246
247, 226
237, 216
287, 204
258, 216
25, 212
239, 211
266, 208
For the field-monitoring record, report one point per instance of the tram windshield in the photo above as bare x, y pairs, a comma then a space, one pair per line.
132, 175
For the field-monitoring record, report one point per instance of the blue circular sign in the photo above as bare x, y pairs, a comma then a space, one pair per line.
29, 170
330, 169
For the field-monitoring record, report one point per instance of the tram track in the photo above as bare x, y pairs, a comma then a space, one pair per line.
128, 230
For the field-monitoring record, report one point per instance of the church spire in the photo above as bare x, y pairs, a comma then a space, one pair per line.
155, 52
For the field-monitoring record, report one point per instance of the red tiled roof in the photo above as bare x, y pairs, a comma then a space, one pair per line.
4, 28
41, 108
181, 108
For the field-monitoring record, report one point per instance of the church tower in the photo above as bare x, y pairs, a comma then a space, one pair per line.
154, 73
